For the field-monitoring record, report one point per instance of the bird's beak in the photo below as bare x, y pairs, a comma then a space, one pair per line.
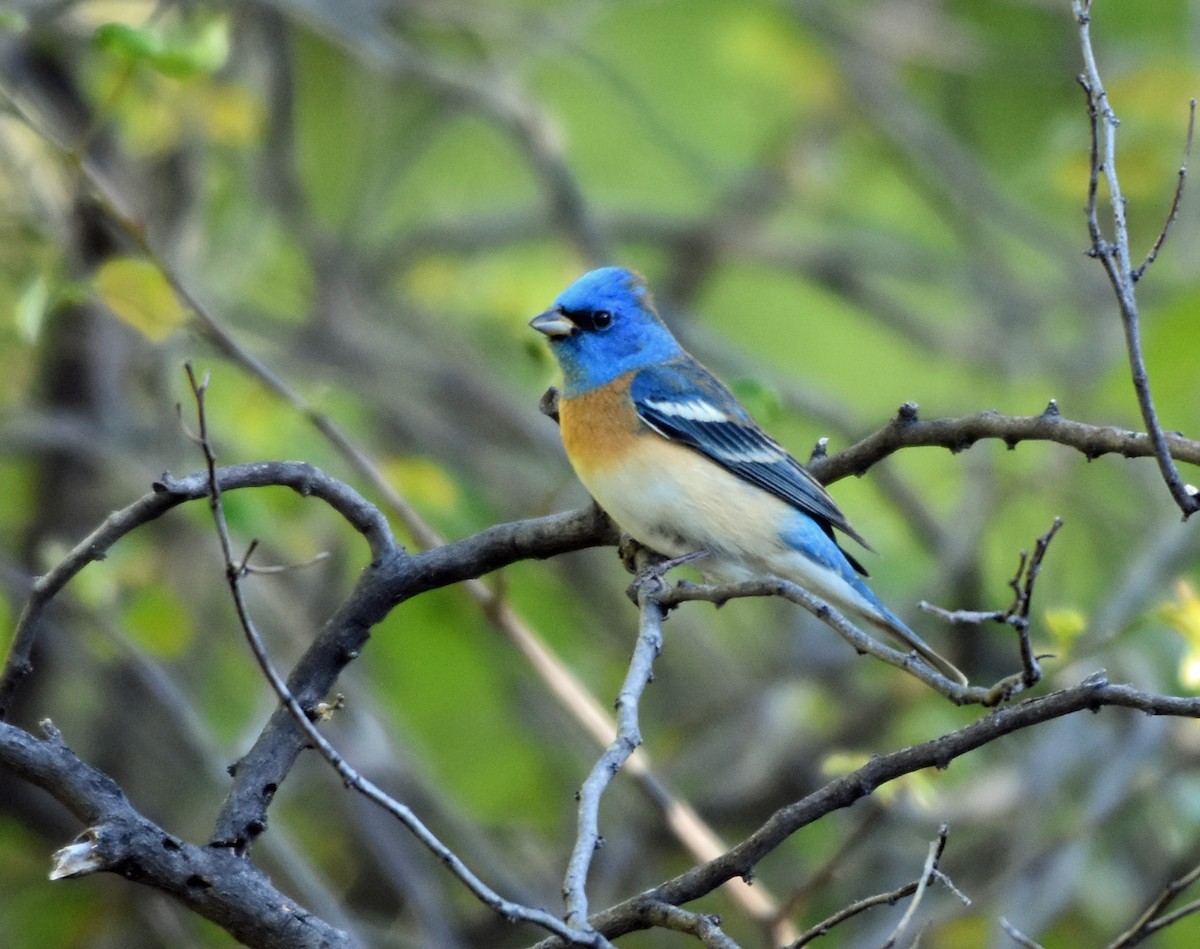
554, 323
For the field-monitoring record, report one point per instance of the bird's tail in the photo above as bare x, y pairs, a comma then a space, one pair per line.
892, 625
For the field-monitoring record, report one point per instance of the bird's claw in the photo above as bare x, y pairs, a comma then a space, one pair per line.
649, 577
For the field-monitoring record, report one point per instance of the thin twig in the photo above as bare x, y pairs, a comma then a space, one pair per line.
1017, 936
1152, 920
1017, 613
916, 889
1114, 254
910, 662
936, 848
1176, 199
628, 738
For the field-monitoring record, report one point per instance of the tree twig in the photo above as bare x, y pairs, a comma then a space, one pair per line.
705, 927
1155, 916
929, 873
863, 644
1176, 199
1017, 614
907, 430
628, 739
1017, 936
1114, 254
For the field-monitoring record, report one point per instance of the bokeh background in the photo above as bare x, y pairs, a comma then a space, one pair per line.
842, 206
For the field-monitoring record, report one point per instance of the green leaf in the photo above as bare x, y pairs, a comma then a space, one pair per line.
200, 54
157, 621
127, 42
199, 51
137, 291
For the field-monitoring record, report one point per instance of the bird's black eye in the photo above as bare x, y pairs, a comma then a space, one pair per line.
602, 319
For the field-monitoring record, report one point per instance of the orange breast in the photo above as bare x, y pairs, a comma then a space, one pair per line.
599, 427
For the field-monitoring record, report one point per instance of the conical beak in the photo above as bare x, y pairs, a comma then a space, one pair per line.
553, 323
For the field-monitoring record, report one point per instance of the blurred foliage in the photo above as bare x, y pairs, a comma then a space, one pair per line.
841, 205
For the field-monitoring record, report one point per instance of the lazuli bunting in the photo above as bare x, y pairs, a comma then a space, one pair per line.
673, 458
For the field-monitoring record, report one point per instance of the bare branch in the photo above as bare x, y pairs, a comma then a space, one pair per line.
1114, 254
1017, 614
704, 927
928, 875
166, 494
863, 644
1173, 213
1155, 918
915, 888
906, 430
628, 738
1017, 936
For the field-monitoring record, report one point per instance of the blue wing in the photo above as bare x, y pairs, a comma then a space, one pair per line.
683, 401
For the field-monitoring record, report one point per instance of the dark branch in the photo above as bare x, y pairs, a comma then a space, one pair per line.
906, 430
213, 882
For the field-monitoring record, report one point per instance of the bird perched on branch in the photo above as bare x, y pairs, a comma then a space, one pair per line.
673, 458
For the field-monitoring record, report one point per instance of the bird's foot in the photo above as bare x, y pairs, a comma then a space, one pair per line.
651, 575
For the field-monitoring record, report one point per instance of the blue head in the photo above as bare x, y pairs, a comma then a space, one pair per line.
602, 326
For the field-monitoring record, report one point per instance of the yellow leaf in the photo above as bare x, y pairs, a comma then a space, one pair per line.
1065, 624
136, 291
232, 115
422, 481
1183, 614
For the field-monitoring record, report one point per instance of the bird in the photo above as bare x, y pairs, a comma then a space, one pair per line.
673, 458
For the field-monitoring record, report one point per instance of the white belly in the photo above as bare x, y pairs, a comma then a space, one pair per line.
676, 501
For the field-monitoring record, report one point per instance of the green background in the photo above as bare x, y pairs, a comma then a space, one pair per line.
842, 206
